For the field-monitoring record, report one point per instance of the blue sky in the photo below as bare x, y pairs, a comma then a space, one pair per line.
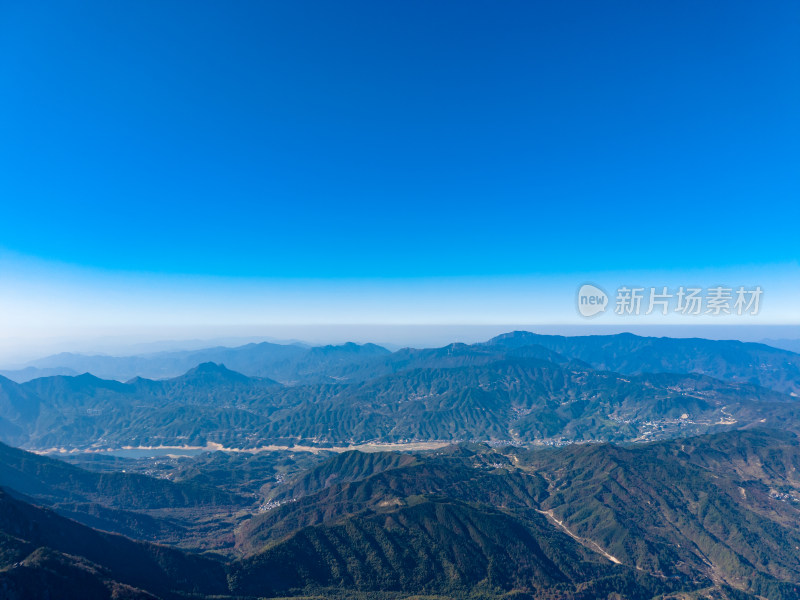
398, 141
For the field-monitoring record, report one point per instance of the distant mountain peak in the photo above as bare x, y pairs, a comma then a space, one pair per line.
215, 370
211, 367
514, 338
84, 378
351, 348
210, 373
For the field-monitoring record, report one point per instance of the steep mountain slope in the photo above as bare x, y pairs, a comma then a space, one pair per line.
679, 507
344, 468
440, 547
314, 498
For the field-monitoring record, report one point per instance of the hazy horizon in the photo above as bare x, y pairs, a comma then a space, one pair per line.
173, 175
392, 337
48, 307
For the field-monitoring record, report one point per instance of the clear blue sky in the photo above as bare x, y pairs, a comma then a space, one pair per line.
400, 139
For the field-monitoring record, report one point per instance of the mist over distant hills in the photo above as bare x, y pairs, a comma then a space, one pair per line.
786, 344
277, 360
298, 363
516, 388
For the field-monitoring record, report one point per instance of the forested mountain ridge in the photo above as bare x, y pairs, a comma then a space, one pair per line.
730, 360
713, 516
461, 394
293, 364
675, 509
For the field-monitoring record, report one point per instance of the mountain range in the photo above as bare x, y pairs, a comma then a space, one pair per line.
608, 467
508, 390
291, 364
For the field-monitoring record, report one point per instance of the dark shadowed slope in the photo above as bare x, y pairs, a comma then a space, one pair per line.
52, 480
39, 545
131, 504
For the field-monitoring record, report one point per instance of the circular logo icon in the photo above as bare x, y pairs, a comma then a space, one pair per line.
591, 300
